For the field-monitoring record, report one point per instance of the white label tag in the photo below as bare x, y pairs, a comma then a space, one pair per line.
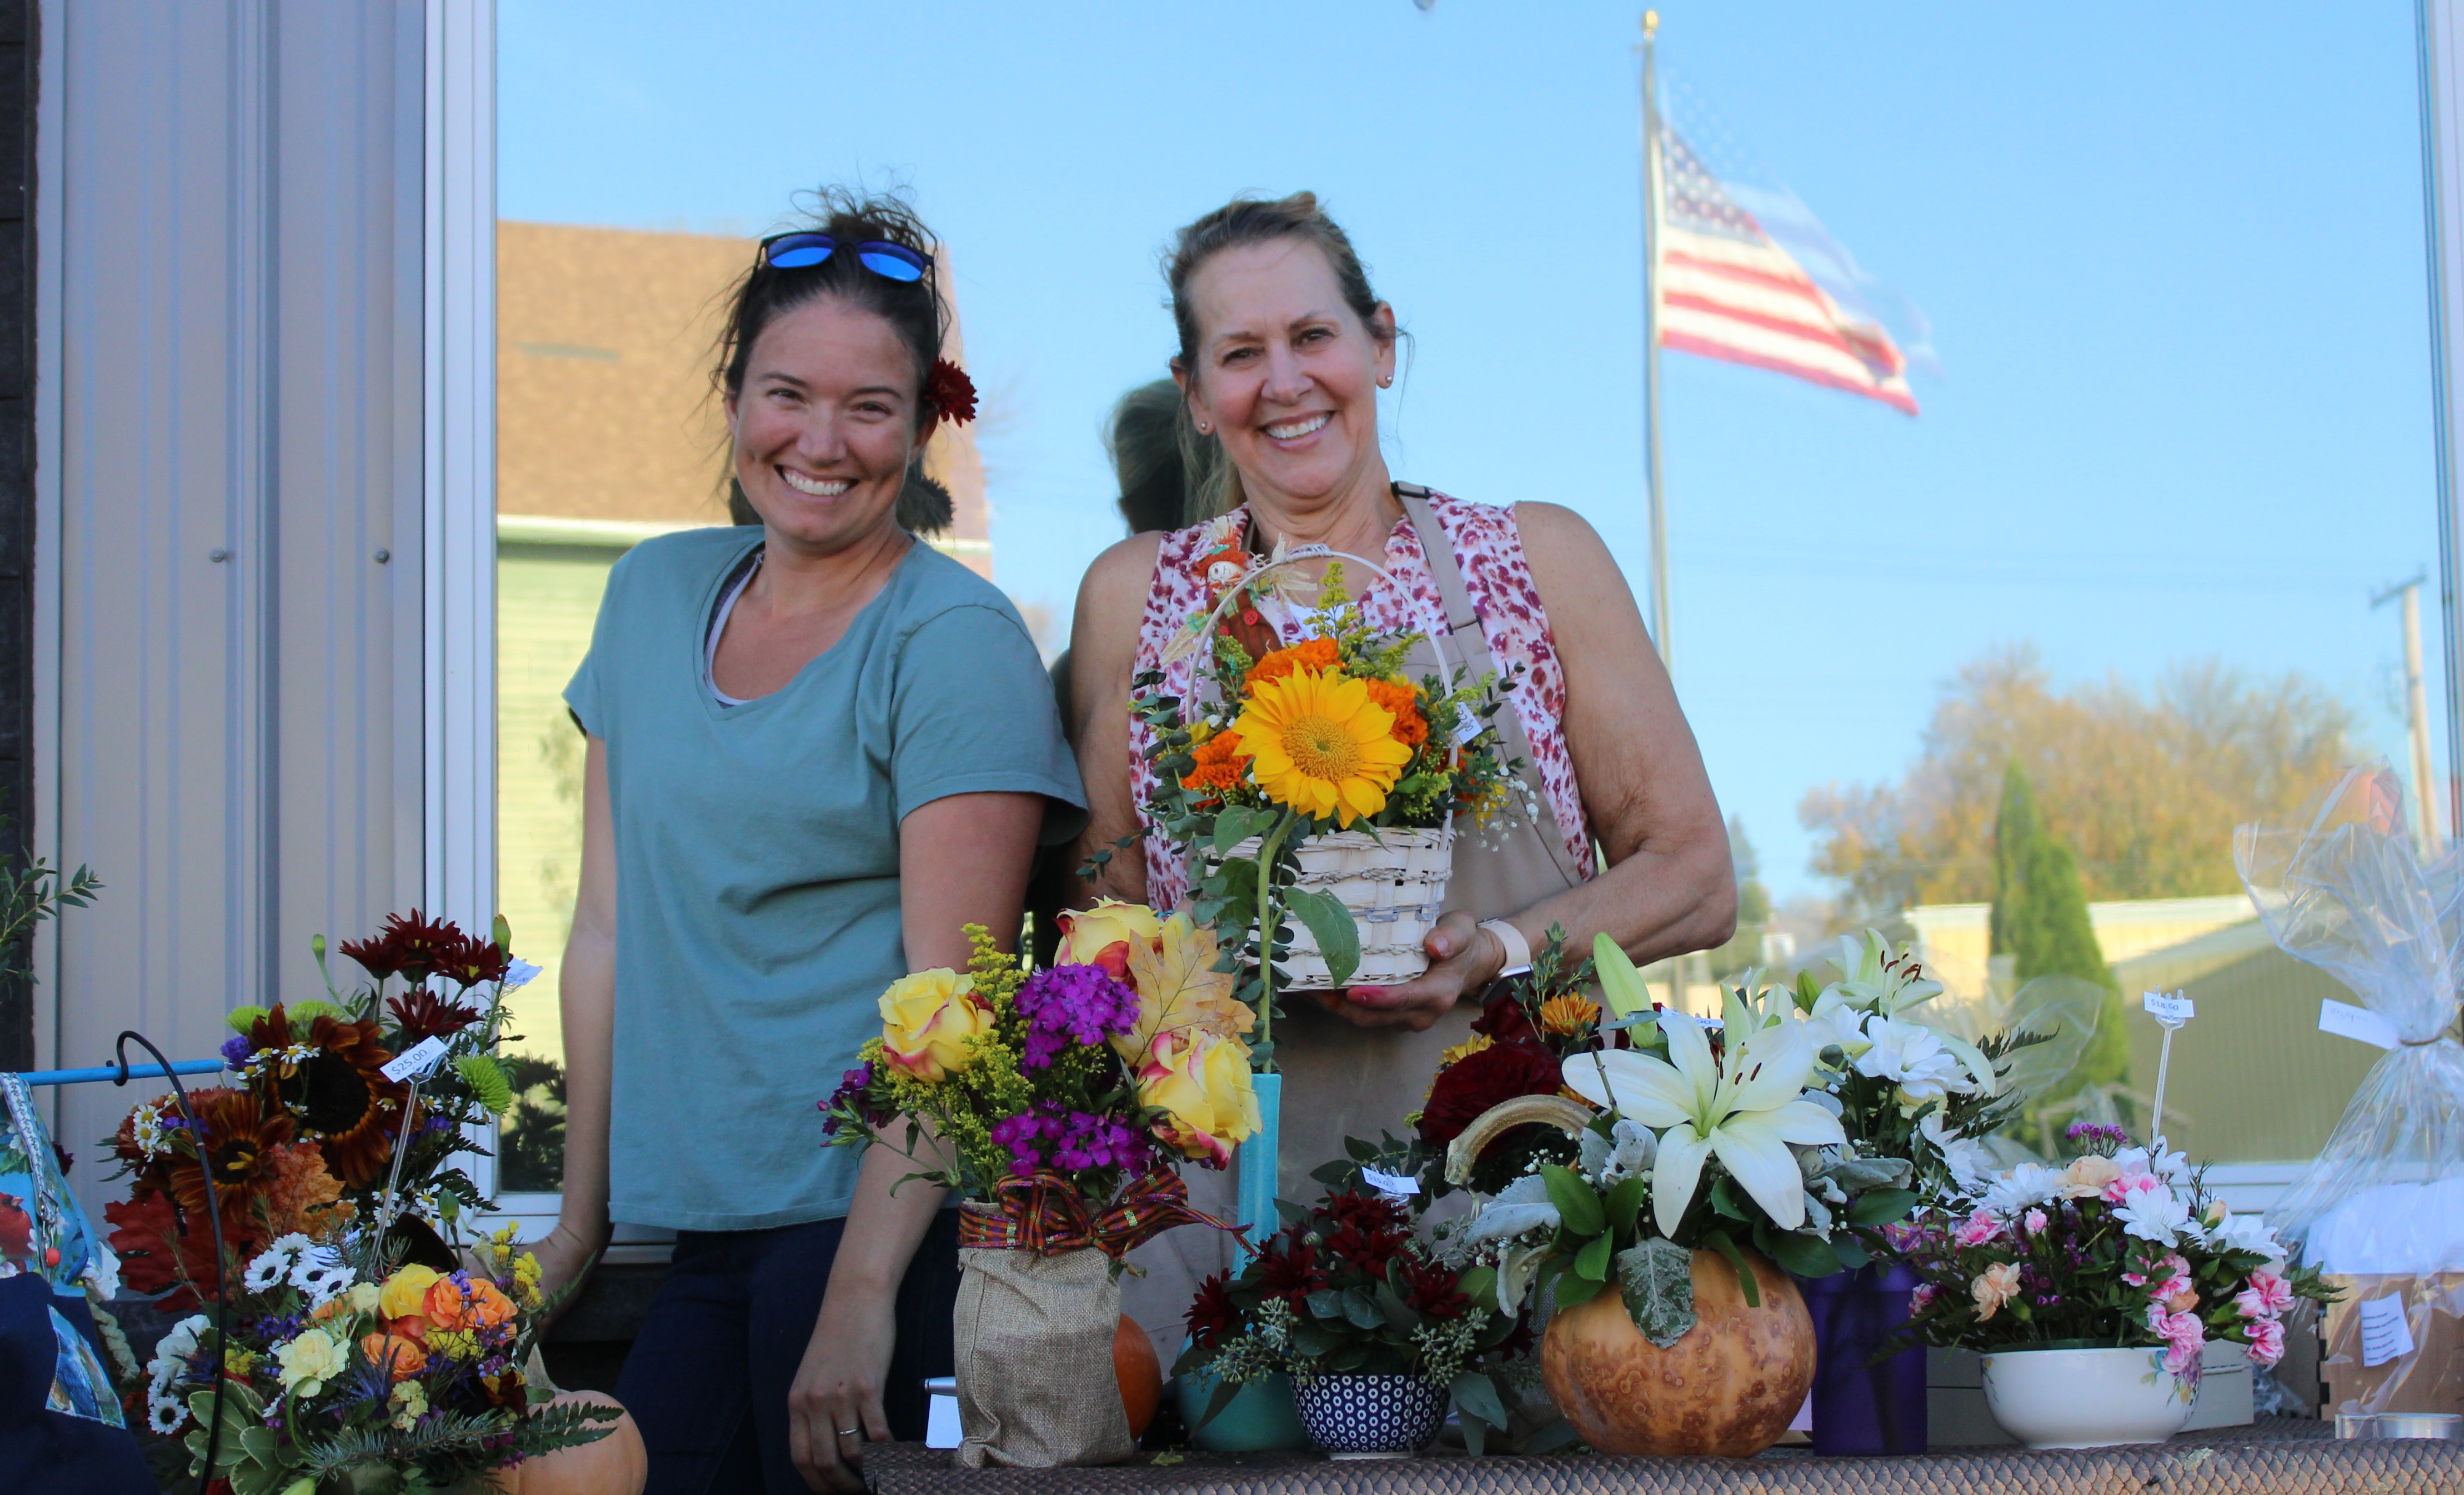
2173, 1010
2385, 1334
416, 1061
1395, 1186
2346, 1020
941, 1423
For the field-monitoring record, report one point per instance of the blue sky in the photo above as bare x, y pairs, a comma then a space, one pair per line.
2173, 260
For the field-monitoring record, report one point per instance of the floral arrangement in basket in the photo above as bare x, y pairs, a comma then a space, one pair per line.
1348, 1288
328, 1259
2120, 1248
1311, 778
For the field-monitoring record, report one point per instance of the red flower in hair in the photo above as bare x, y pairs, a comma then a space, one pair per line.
950, 392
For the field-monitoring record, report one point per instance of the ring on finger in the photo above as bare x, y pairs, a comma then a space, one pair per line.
851, 1432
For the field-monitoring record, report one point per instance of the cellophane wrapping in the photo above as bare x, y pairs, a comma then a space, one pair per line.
2347, 890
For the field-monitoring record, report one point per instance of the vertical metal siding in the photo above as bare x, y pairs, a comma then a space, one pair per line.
239, 311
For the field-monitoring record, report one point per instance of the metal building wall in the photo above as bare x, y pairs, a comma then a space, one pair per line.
234, 242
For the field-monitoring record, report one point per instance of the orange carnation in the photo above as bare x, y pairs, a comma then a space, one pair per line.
1402, 698
1308, 655
479, 1307
402, 1358
1221, 763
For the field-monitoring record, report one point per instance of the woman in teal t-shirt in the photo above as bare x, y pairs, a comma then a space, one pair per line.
817, 748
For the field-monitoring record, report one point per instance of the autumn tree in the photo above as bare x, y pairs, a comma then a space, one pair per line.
2143, 786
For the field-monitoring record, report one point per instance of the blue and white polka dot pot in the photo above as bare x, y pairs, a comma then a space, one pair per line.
1369, 1416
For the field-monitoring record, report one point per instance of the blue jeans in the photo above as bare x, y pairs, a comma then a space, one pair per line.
707, 1378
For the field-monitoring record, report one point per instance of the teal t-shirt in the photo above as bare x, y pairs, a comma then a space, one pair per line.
756, 859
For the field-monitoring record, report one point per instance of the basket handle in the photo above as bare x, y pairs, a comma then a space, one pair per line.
1437, 636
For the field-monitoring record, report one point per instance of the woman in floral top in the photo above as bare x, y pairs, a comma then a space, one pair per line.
1282, 349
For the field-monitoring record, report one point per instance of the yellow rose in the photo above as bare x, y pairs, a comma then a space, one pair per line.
1203, 1080
308, 1362
926, 1019
406, 1291
1103, 934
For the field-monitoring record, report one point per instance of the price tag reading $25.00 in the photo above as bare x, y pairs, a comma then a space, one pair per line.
414, 1063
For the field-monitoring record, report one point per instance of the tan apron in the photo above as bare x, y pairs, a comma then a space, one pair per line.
1341, 1080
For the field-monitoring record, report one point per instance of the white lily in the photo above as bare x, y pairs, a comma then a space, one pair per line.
1744, 1110
1915, 1058
1875, 978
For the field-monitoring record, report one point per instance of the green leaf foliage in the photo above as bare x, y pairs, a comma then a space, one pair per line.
1803, 1255
1593, 1259
1338, 936
1882, 1207
1578, 1203
1657, 1279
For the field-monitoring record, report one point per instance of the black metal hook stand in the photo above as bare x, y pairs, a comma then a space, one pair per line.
214, 1223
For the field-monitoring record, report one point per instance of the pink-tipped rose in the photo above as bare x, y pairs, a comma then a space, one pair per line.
2086, 1178
1203, 1080
927, 1023
1977, 1229
1102, 935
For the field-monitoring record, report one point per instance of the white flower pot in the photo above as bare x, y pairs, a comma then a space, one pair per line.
2087, 1399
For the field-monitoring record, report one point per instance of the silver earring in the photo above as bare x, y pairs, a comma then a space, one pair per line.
1203, 429
1386, 383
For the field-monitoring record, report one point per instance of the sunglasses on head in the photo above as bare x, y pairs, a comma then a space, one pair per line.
804, 251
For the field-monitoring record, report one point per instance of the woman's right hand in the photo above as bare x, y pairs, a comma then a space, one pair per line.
565, 1256
834, 1408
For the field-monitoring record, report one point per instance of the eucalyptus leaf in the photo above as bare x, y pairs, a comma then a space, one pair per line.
1477, 1395
1361, 1308
1339, 937
1657, 1277
1326, 1303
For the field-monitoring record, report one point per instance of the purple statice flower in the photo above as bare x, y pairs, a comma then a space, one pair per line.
2091, 1136
1073, 1004
236, 1048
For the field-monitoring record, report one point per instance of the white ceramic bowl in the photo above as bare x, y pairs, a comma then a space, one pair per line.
2087, 1399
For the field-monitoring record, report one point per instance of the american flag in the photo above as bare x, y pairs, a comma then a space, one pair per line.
1729, 291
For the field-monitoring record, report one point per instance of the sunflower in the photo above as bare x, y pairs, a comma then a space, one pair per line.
237, 1134
337, 1091
1321, 745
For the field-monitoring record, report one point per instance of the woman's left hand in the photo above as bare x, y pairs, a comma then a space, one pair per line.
1463, 960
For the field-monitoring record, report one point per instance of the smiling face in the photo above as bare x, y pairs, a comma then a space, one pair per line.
1286, 374
825, 424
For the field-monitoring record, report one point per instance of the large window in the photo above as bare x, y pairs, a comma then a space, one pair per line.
2131, 576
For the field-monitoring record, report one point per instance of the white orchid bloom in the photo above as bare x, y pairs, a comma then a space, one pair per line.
1744, 1110
1915, 1058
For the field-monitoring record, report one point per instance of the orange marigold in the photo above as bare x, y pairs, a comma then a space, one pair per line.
1307, 654
1402, 698
1221, 763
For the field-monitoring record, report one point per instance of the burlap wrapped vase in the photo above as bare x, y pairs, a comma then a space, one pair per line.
1036, 1386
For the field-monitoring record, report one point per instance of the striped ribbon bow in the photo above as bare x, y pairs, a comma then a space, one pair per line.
1044, 1212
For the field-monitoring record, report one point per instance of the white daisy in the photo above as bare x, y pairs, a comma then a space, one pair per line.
164, 1415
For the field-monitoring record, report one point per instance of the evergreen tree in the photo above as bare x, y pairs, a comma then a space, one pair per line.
2041, 918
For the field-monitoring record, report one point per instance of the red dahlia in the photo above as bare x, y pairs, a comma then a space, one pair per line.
1476, 1082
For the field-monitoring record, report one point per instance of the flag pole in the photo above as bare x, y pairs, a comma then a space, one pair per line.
1654, 196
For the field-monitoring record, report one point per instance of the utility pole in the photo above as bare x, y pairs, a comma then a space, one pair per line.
1654, 196
2416, 710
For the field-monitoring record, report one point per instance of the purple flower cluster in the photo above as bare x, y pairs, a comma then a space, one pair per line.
236, 1048
1071, 1140
1066, 1004
2090, 1136
851, 1088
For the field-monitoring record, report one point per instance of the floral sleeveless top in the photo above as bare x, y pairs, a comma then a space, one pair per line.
1191, 572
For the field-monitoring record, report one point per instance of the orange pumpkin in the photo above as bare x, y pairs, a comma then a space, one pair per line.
616, 1464
1141, 1374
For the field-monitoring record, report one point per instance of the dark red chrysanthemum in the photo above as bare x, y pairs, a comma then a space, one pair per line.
1505, 1021
1434, 1289
1212, 1315
471, 960
1368, 1211
1477, 1081
422, 1014
950, 392
1288, 1269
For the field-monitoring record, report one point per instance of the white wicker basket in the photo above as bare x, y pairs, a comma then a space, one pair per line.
1395, 891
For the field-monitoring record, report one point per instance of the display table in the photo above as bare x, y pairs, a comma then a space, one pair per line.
2279, 1455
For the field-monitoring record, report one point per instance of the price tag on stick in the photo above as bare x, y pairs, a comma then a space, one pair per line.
2171, 1012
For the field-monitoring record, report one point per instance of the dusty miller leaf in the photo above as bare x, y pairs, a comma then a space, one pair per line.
1657, 1277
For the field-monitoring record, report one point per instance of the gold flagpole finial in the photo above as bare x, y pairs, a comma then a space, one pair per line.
1650, 23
